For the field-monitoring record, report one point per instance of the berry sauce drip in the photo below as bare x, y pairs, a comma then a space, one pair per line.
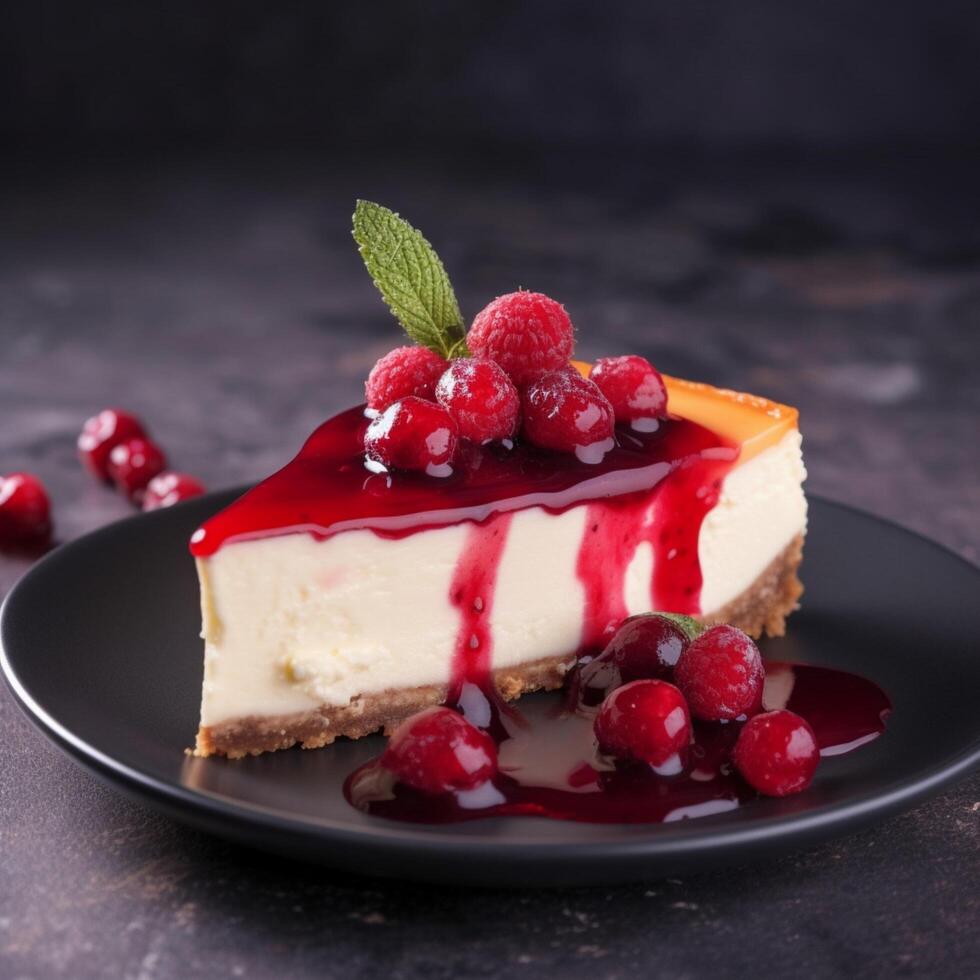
327, 489
669, 520
471, 689
550, 767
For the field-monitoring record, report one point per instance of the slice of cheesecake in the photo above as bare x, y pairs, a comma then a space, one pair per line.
337, 601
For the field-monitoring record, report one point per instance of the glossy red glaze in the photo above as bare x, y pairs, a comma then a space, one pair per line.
676, 470
549, 766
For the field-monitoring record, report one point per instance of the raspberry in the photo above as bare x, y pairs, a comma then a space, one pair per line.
438, 751
25, 510
721, 674
644, 647
481, 399
133, 463
413, 434
402, 372
647, 721
525, 333
565, 412
633, 386
101, 434
170, 488
777, 753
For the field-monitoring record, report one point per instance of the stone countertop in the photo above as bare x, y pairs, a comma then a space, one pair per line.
223, 301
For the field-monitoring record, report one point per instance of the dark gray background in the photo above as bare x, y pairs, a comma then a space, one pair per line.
775, 197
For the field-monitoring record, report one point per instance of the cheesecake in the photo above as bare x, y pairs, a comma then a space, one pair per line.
340, 596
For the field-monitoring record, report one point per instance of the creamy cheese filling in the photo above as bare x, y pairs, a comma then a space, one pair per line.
291, 623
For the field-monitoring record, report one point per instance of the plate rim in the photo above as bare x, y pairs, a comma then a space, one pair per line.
253, 823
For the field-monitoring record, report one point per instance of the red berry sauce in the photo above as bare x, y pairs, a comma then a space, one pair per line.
550, 766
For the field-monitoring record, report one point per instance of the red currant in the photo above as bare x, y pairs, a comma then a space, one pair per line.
133, 463
643, 647
647, 721
101, 434
777, 753
25, 510
438, 751
413, 434
567, 413
167, 489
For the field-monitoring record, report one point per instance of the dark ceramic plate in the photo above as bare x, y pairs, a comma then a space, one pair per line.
100, 645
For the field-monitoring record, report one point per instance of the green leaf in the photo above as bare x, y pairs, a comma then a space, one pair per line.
410, 277
687, 624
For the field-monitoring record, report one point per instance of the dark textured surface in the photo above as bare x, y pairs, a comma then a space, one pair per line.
223, 300
437, 72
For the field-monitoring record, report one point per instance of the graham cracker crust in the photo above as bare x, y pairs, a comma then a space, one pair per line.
762, 608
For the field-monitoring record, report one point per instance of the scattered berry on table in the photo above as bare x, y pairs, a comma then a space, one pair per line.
133, 463
25, 510
167, 489
101, 434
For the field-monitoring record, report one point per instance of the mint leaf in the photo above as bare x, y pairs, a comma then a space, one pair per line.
687, 624
410, 277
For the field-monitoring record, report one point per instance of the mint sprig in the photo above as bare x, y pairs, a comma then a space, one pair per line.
691, 628
411, 279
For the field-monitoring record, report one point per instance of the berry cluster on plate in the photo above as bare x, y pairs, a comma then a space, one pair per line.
644, 693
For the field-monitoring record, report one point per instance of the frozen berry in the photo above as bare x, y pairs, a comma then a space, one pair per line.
644, 647
170, 488
646, 720
413, 434
525, 333
633, 386
25, 510
721, 674
777, 753
402, 372
481, 399
438, 751
101, 434
565, 412
133, 463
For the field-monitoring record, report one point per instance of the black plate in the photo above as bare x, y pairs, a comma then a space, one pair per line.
100, 645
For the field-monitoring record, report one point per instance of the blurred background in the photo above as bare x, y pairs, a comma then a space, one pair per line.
779, 197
